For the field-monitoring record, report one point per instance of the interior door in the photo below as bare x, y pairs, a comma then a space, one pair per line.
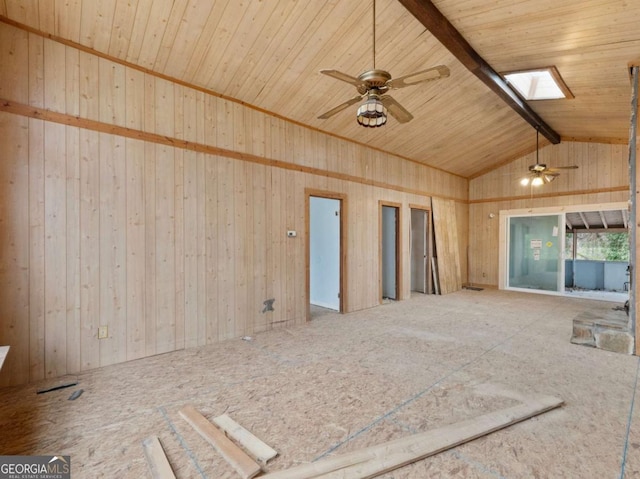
324, 252
419, 253
535, 253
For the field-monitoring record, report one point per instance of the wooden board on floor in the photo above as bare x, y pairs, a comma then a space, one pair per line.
255, 447
243, 464
157, 460
376, 460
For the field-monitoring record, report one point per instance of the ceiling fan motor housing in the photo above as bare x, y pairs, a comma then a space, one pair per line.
374, 79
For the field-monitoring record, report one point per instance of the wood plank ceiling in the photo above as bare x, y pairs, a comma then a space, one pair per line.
268, 54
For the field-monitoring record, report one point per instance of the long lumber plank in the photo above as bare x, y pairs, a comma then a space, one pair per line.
157, 460
375, 460
243, 464
447, 246
255, 447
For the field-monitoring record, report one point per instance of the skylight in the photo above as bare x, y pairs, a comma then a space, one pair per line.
538, 84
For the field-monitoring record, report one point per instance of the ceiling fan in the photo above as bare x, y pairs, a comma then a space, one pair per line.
539, 174
374, 84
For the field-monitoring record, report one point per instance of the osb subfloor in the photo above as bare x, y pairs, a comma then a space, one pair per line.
342, 382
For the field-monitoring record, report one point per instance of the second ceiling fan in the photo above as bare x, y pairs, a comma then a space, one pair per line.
539, 174
374, 84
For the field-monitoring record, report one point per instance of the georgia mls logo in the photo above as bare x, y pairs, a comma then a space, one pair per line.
62, 463
35, 467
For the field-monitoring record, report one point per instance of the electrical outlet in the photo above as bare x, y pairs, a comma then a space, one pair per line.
103, 332
291, 234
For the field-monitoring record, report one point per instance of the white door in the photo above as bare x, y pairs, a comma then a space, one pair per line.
324, 252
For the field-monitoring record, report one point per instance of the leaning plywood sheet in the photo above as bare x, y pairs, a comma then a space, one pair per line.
447, 246
376, 460
157, 460
255, 447
243, 464
4, 350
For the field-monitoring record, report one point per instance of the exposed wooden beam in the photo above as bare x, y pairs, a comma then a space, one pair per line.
584, 219
569, 225
427, 13
604, 221
625, 218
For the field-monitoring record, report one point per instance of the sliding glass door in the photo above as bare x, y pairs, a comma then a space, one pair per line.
535, 252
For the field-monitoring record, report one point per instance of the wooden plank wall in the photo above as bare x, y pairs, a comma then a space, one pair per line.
167, 245
602, 177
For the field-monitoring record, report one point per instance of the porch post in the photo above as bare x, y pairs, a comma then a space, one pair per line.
633, 230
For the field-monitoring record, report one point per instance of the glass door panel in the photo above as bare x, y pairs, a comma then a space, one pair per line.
534, 252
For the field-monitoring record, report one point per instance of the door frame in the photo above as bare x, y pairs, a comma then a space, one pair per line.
308, 193
398, 207
429, 238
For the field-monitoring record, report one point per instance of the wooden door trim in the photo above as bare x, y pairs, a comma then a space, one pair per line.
332, 195
398, 207
428, 234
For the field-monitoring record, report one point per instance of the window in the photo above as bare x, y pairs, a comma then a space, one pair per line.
598, 246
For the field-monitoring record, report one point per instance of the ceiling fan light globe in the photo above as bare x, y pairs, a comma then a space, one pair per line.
524, 181
537, 181
372, 112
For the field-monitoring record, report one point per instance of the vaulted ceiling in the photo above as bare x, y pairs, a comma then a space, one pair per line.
268, 53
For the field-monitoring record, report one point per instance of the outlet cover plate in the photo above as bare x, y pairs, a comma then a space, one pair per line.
103, 332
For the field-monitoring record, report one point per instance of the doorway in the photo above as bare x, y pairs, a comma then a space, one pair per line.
324, 257
389, 251
420, 251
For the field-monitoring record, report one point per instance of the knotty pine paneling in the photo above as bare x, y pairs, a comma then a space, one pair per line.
114, 94
602, 177
15, 251
269, 54
166, 246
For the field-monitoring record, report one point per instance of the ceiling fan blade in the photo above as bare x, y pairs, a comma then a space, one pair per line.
396, 110
434, 73
340, 107
555, 168
342, 77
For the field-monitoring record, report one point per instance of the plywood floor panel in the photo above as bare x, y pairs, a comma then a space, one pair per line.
342, 382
